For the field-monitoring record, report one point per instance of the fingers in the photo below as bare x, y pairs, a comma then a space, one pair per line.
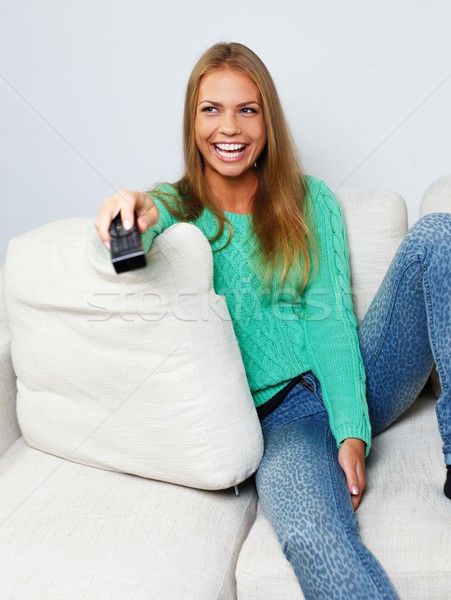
126, 203
354, 486
356, 490
147, 210
361, 474
351, 457
361, 478
122, 202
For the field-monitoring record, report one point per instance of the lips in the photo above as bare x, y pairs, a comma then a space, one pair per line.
228, 151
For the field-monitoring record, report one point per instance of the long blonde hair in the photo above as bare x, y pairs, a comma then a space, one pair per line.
280, 214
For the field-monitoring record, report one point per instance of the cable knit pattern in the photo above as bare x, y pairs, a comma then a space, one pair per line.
276, 343
331, 327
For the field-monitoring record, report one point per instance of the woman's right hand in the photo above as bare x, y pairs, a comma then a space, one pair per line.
126, 203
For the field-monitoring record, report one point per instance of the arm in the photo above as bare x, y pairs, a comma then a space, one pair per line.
165, 220
332, 341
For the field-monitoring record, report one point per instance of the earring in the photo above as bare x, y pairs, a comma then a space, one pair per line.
255, 164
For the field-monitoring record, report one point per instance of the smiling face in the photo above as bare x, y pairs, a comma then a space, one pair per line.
230, 130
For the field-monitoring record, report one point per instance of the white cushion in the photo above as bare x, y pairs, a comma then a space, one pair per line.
9, 428
376, 222
437, 197
72, 532
139, 373
3, 319
404, 519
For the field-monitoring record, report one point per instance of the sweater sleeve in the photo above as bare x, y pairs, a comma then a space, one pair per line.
331, 326
165, 220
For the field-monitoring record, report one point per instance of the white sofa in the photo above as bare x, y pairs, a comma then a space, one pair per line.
83, 511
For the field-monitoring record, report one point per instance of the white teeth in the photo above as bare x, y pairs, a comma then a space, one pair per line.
230, 147
228, 154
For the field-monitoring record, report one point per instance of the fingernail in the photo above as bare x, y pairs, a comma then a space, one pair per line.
107, 245
355, 490
127, 224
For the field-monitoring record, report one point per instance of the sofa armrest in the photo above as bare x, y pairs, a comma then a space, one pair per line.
9, 427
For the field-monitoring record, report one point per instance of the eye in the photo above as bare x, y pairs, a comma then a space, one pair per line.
209, 109
247, 110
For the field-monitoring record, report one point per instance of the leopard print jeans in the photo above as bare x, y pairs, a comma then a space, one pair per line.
301, 486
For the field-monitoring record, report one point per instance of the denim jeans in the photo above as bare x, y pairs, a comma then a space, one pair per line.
301, 485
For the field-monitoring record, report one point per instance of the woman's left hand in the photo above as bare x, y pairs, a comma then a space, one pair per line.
351, 457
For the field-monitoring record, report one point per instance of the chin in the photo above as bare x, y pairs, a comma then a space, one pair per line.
233, 171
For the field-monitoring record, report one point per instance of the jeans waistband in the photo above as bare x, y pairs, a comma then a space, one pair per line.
270, 405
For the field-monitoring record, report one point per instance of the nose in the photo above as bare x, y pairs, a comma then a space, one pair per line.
229, 123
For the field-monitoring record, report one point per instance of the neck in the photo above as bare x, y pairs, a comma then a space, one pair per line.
233, 194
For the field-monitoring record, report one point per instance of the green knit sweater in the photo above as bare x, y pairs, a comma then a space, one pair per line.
276, 342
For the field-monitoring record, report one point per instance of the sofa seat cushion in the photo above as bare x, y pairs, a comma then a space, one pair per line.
69, 531
140, 372
404, 518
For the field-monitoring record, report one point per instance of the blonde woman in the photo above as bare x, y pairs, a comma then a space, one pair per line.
281, 260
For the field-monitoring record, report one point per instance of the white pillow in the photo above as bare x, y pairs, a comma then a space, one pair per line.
138, 372
376, 222
2, 302
437, 197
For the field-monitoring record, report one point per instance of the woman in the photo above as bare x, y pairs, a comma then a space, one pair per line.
281, 260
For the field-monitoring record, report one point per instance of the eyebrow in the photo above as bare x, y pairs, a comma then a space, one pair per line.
240, 105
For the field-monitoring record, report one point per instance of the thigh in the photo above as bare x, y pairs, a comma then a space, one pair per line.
304, 494
394, 339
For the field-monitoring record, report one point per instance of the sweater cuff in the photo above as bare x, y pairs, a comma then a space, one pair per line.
349, 430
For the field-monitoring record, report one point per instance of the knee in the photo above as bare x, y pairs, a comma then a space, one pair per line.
431, 233
433, 225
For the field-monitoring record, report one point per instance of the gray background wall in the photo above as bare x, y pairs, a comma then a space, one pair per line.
92, 92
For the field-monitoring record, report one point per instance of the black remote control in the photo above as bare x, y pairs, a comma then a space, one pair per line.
127, 251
